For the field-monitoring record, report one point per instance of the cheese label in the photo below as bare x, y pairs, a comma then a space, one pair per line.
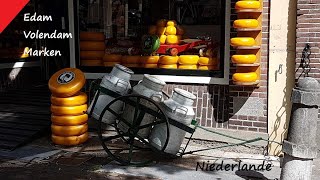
66, 77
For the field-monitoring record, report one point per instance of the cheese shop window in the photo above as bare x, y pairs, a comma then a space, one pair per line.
167, 37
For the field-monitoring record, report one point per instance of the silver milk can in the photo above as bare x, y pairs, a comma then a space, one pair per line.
118, 80
179, 108
150, 87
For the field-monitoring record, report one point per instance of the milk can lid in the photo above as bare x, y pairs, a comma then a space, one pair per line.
154, 79
185, 93
123, 68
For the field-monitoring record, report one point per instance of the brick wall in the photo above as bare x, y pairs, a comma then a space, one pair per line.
308, 31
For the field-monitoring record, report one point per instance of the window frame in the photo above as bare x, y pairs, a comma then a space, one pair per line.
224, 69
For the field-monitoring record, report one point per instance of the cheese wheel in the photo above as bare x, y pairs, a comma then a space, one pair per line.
242, 41
112, 58
66, 82
152, 30
92, 46
131, 59
188, 59
171, 30
180, 30
150, 59
92, 36
172, 39
69, 130
133, 65
188, 67
168, 66
245, 77
244, 59
162, 23
152, 66
211, 67
171, 23
110, 64
75, 100
208, 61
161, 30
247, 5
168, 59
68, 110
246, 23
163, 39
25, 53
98, 55
91, 62
71, 140
69, 120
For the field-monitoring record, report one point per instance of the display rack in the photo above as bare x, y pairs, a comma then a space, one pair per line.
250, 32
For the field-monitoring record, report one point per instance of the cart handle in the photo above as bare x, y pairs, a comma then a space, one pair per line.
184, 109
120, 81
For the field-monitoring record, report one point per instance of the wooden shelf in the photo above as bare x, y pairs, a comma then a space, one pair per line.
249, 10
248, 29
246, 83
247, 65
247, 47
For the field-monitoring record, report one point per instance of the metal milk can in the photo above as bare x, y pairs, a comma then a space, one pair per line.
179, 108
117, 81
150, 87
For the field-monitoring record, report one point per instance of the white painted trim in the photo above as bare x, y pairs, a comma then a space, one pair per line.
19, 65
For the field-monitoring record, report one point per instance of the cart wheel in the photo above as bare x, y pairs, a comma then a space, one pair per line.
126, 145
173, 51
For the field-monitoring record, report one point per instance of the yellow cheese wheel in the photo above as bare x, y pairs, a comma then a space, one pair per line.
247, 5
168, 59
208, 61
162, 23
131, 59
244, 59
152, 30
133, 65
110, 64
171, 30
188, 59
69, 130
163, 39
161, 30
152, 66
211, 67
75, 100
70, 140
168, 66
150, 59
188, 67
112, 58
180, 30
92, 46
171, 23
66, 82
243, 41
245, 77
25, 53
172, 39
69, 120
98, 55
68, 110
246, 23
92, 36
91, 62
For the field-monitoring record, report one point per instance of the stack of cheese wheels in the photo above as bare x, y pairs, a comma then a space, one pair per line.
208, 63
131, 61
109, 60
150, 61
92, 48
168, 31
168, 62
68, 107
188, 62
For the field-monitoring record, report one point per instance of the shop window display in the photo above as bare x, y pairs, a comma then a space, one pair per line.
170, 37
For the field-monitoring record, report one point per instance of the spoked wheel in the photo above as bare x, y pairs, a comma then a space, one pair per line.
127, 142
